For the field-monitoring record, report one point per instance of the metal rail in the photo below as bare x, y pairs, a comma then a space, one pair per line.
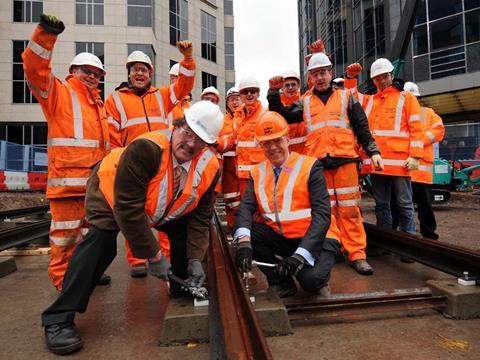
451, 259
15, 213
243, 337
24, 233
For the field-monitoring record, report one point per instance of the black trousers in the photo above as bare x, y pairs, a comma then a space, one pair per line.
92, 257
266, 243
422, 196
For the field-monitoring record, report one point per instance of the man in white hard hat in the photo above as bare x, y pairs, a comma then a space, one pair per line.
153, 182
173, 73
423, 177
395, 121
335, 121
77, 136
137, 107
290, 93
177, 111
246, 116
211, 94
226, 147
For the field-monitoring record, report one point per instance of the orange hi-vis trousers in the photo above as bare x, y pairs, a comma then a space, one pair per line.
230, 189
66, 230
344, 191
164, 245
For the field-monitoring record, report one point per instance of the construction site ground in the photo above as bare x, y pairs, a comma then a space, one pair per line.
124, 319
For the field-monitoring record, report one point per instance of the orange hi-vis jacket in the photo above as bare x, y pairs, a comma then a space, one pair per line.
249, 152
284, 205
130, 115
394, 120
297, 133
78, 135
434, 131
328, 127
161, 206
226, 137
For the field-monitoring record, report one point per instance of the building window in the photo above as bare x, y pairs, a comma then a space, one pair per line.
472, 26
21, 93
229, 49
420, 40
147, 49
228, 86
446, 33
440, 8
97, 49
471, 4
178, 21
140, 13
27, 11
228, 7
209, 37
89, 12
208, 80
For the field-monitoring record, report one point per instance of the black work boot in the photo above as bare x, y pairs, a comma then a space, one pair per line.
104, 280
362, 267
62, 338
138, 270
284, 289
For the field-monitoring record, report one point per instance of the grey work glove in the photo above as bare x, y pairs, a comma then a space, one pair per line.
159, 268
196, 275
51, 24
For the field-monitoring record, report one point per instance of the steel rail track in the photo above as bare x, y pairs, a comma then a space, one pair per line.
24, 233
15, 213
242, 337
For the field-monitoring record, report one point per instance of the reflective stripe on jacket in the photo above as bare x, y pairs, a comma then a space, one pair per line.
284, 205
328, 127
434, 131
160, 205
249, 152
78, 134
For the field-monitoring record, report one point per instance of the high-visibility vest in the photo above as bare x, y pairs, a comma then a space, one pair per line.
78, 135
249, 152
394, 120
297, 133
130, 115
435, 130
328, 127
226, 137
160, 205
284, 205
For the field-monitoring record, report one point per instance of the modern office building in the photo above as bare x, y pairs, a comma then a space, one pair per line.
111, 30
443, 56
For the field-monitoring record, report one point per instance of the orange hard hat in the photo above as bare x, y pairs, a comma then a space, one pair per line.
271, 126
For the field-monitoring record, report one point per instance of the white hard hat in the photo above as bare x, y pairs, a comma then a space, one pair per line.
174, 70
290, 74
318, 60
86, 58
232, 91
141, 57
211, 90
247, 83
411, 87
338, 80
380, 66
205, 119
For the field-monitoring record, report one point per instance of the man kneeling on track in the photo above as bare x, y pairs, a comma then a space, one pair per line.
289, 194
163, 179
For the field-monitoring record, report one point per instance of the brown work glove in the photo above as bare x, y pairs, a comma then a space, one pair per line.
276, 82
186, 48
317, 46
51, 24
353, 70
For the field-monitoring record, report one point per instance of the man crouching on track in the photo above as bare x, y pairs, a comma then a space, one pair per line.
162, 179
289, 194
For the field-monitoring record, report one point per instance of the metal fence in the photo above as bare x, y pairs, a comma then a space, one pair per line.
461, 142
15, 157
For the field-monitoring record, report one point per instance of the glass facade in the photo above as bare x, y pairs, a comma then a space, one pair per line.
27, 11
89, 12
307, 31
140, 13
228, 7
229, 49
178, 21
21, 93
209, 36
208, 80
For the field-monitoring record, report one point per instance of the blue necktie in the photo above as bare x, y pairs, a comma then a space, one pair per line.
277, 173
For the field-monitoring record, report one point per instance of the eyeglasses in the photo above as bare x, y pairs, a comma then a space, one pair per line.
89, 72
290, 85
188, 134
139, 69
249, 91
